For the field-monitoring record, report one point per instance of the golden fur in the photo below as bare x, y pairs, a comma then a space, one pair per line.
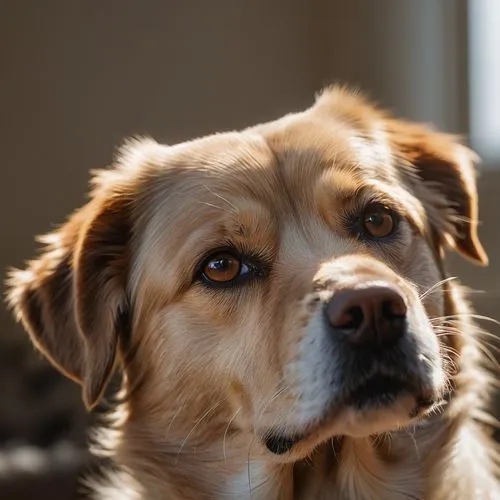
207, 372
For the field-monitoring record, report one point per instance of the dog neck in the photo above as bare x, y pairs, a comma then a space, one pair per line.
393, 466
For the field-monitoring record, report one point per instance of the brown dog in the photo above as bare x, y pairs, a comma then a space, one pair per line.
277, 302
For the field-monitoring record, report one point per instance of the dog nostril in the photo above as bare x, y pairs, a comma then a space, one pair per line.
393, 309
352, 319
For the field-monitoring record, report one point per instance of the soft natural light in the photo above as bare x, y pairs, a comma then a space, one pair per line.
484, 51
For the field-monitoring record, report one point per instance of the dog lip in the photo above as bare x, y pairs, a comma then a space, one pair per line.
377, 388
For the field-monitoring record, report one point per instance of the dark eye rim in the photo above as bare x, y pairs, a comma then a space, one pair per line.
255, 269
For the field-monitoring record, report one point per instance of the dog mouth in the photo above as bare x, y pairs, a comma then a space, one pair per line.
377, 392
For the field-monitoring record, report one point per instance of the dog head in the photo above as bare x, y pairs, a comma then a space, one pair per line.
285, 277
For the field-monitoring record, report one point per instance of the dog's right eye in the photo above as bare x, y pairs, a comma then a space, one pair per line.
227, 268
223, 268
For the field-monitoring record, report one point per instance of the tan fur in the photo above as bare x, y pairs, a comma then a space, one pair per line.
207, 373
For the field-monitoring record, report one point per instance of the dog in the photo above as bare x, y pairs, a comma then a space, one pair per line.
277, 303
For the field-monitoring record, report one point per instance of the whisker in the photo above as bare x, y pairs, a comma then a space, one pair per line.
197, 423
482, 344
466, 315
280, 391
332, 442
411, 435
225, 432
175, 416
435, 286
480, 333
250, 489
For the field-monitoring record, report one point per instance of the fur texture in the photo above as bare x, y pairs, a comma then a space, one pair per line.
210, 372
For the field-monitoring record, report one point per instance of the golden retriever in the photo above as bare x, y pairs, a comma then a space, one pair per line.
277, 302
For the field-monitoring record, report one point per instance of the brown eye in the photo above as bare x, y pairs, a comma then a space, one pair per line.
378, 221
222, 267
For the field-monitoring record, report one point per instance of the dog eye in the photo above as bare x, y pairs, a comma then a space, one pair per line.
378, 221
223, 267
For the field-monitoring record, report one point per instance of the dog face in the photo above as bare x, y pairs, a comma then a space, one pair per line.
282, 279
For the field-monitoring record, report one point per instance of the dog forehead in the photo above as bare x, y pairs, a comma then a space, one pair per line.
287, 162
278, 163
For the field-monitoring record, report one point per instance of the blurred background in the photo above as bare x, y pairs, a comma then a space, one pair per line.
77, 77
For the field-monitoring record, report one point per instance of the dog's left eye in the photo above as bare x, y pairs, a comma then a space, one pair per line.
378, 221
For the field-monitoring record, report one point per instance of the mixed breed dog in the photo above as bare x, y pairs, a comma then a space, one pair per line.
277, 303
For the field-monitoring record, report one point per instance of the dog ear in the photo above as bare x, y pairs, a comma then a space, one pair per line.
446, 172
72, 297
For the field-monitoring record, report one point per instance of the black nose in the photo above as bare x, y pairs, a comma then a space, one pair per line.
369, 316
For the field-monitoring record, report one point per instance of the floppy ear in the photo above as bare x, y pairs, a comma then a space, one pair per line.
446, 170
72, 297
